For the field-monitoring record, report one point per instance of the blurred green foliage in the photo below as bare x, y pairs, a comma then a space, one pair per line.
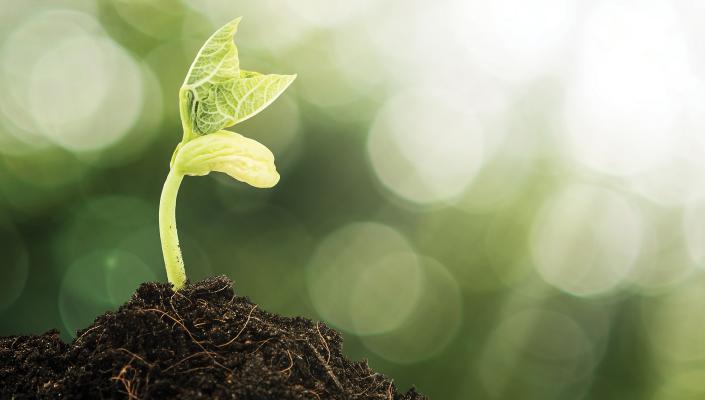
491, 200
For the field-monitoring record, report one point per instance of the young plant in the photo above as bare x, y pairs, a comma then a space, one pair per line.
216, 94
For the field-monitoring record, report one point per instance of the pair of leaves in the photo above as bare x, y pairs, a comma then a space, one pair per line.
217, 94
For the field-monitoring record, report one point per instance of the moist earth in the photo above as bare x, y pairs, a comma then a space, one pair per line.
201, 342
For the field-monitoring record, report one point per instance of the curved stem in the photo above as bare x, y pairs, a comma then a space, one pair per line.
167, 230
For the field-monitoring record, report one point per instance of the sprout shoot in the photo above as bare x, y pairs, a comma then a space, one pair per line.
216, 94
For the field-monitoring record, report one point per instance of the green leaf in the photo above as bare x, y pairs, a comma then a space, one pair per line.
248, 74
217, 60
217, 94
242, 158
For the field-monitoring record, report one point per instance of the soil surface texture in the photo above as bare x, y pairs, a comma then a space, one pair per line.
201, 342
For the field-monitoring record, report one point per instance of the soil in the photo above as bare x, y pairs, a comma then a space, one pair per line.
201, 342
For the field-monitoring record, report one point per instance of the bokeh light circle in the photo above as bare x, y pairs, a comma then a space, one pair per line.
664, 261
156, 18
102, 222
678, 183
78, 90
674, 324
424, 147
354, 266
324, 83
144, 243
586, 239
537, 354
431, 326
514, 40
499, 183
98, 282
686, 384
326, 13
694, 233
511, 268
385, 293
46, 169
278, 128
67, 111
634, 90
21, 49
355, 61
257, 23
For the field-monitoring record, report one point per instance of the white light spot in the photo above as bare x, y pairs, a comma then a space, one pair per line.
431, 326
514, 39
674, 184
85, 93
27, 43
356, 264
537, 354
664, 261
585, 240
694, 233
66, 82
326, 13
257, 21
424, 147
277, 128
635, 99
156, 18
501, 180
385, 293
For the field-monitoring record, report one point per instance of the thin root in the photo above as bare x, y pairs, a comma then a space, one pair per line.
84, 333
209, 354
314, 393
291, 363
318, 328
198, 343
126, 383
241, 330
327, 367
262, 343
134, 356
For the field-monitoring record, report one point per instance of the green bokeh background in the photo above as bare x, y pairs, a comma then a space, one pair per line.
491, 200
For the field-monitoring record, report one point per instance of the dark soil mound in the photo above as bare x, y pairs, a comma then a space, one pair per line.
202, 342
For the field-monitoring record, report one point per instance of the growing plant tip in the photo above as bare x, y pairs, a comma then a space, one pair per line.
216, 94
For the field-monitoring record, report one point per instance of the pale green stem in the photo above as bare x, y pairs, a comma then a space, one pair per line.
185, 112
175, 271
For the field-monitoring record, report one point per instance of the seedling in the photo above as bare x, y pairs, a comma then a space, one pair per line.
216, 94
